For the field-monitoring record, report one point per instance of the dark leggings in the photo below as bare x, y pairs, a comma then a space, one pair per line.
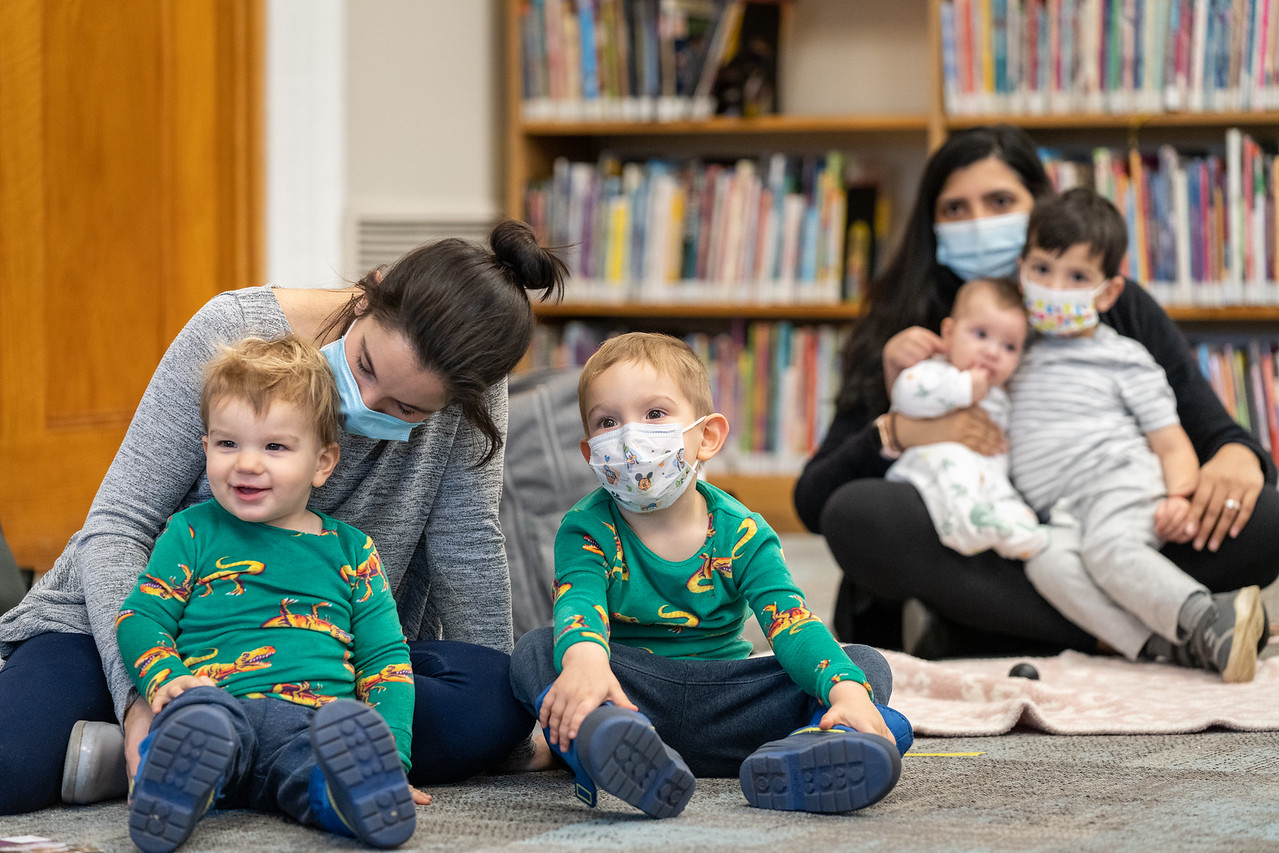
884, 540
465, 718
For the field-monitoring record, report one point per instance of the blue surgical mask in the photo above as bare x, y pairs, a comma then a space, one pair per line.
358, 418
981, 248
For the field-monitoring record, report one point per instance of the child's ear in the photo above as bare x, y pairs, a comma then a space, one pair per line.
714, 434
947, 330
1108, 297
585, 446
325, 463
204, 442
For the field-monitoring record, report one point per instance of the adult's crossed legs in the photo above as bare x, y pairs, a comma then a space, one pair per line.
47, 684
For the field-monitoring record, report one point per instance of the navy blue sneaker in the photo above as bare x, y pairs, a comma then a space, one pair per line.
184, 763
620, 751
361, 789
838, 770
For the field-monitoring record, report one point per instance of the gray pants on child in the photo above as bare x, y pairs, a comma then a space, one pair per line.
1102, 568
714, 713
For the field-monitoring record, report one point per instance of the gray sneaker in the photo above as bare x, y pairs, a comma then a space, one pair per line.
94, 769
1228, 637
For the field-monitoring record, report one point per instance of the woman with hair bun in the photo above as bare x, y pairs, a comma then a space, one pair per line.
421, 350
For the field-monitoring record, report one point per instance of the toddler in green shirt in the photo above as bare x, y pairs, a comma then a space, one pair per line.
263, 634
645, 681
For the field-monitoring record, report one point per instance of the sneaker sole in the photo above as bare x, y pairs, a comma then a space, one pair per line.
356, 752
185, 763
829, 774
1250, 623
628, 759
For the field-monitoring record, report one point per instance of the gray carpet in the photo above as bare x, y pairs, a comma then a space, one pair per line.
1028, 791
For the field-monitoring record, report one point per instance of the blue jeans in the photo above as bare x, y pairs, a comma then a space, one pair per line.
271, 771
714, 713
465, 719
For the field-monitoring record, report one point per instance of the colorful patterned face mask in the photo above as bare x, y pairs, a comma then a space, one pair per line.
642, 464
1061, 312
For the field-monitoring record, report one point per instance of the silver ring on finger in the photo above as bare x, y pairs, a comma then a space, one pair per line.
1232, 504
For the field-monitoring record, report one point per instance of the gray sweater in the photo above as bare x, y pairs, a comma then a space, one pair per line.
433, 518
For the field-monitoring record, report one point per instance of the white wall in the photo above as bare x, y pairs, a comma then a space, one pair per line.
305, 141
375, 107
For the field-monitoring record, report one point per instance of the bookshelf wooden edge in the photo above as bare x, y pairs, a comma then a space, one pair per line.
695, 310
775, 124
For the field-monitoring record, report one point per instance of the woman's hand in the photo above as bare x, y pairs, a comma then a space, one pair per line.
137, 722
1229, 484
908, 348
850, 706
971, 427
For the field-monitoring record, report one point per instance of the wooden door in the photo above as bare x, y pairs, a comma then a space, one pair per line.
130, 175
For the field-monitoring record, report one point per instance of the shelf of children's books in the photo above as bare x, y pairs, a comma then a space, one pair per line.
729, 126
1224, 314
1132, 121
813, 311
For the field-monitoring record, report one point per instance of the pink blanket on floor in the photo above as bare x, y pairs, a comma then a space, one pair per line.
1078, 694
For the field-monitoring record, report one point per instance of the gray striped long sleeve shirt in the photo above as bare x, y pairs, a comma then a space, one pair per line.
1081, 406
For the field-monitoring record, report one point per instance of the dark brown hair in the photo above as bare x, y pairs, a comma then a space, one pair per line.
1078, 216
464, 309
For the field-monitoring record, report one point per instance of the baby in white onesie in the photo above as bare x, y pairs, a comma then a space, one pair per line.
969, 496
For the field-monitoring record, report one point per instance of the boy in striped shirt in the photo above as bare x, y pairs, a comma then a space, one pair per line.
1096, 444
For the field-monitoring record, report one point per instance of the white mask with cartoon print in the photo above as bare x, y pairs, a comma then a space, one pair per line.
642, 464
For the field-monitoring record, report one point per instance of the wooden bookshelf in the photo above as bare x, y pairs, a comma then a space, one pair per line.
531, 147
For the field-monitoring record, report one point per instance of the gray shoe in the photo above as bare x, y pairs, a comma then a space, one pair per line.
925, 635
94, 769
1228, 637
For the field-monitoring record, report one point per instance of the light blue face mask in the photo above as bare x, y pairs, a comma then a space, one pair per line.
358, 418
981, 248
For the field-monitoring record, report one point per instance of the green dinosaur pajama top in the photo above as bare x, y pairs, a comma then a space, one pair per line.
269, 612
610, 587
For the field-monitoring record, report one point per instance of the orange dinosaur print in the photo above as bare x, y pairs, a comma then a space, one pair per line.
821, 666
591, 546
560, 589
603, 615
162, 590
228, 571
791, 619
299, 693
392, 673
124, 614
578, 623
751, 528
702, 580
157, 682
311, 623
259, 658
688, 620
152, 656
365, 573
630, 620
619, 569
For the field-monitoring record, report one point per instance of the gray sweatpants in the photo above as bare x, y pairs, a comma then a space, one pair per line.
1102, 568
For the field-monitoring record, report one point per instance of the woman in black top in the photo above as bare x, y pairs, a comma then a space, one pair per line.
968, 221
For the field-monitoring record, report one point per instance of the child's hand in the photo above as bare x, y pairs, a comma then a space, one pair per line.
586, 681
419, 798
175, 688
981, 383
1171, 517
850, 706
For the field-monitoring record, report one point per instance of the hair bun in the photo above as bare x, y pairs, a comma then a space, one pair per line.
530, 265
